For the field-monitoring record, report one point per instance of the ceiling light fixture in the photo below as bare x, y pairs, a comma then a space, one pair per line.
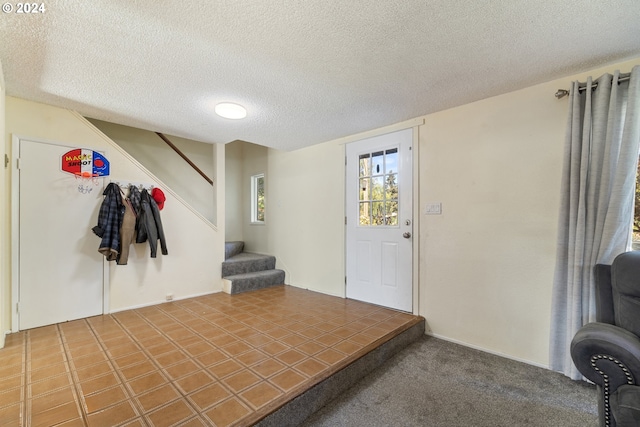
229, 110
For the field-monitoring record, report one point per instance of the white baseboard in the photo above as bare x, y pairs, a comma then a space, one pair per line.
496, 353
133, 307
317, 290
226, 286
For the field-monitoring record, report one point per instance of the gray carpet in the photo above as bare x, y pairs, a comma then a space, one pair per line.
437, 383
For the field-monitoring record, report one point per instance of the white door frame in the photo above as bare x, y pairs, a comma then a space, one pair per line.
415, 124
416, 220
15, 231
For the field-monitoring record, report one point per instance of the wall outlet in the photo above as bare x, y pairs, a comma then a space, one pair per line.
169, 297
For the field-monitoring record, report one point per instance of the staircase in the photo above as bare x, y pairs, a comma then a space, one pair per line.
245, 271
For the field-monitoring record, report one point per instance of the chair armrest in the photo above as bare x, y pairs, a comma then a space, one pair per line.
604, 294
607, 355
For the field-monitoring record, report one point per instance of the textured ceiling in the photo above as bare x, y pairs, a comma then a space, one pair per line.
307, 71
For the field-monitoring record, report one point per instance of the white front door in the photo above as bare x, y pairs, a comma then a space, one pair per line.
60, 271
379, 220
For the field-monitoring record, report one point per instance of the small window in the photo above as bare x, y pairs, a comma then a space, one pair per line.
257, 199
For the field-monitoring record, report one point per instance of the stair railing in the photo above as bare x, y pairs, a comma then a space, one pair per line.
184, 156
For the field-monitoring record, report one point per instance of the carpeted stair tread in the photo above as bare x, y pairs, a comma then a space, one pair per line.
254, 280
247, 262
263, 273
232, 249
247, 271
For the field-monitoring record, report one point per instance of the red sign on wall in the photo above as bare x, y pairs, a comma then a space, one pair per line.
85, 162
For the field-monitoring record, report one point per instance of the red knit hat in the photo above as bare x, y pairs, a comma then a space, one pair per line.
158, 196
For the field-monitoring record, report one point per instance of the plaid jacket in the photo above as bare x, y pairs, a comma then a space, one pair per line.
110, 221
134, 198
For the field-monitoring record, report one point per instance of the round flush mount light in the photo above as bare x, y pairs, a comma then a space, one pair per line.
229, 110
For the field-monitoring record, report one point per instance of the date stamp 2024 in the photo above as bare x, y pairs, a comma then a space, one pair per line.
24, 8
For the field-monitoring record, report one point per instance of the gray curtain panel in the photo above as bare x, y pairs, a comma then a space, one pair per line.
598, 189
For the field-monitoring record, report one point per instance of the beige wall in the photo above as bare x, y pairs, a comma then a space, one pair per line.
155, 155
234, 191
5, 231
196, 248
486, 264
306, 216
488, 260
254, 163
219, 191
243, 160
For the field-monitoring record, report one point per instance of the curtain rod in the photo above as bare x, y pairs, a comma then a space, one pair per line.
561, 93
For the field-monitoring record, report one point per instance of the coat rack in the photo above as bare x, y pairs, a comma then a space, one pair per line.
140, 185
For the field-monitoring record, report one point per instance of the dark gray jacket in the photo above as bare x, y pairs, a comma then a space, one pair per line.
149, 225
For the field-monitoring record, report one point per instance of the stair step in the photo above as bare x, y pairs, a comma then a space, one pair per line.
247, 262
252, 281
232, 249
296, 411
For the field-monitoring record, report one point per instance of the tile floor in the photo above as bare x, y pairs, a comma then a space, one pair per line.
215, 360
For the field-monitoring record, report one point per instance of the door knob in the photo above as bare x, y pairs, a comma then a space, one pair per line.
406, 234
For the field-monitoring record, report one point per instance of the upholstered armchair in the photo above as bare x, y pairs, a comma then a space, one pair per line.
607, 351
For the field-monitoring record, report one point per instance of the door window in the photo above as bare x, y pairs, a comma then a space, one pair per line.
378, 188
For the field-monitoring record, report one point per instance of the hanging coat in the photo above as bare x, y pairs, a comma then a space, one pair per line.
149, 225
109, 222
134, 198
127, 233
129, 230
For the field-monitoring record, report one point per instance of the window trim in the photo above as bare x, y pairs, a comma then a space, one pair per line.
254, 199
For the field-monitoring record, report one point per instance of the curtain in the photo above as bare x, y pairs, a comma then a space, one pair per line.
597, 200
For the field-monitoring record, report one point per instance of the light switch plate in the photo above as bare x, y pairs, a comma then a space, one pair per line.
434, 208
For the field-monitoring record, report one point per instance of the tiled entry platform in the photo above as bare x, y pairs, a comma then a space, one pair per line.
269, 357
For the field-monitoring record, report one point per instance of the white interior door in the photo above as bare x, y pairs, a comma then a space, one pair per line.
60, 271
379, 220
